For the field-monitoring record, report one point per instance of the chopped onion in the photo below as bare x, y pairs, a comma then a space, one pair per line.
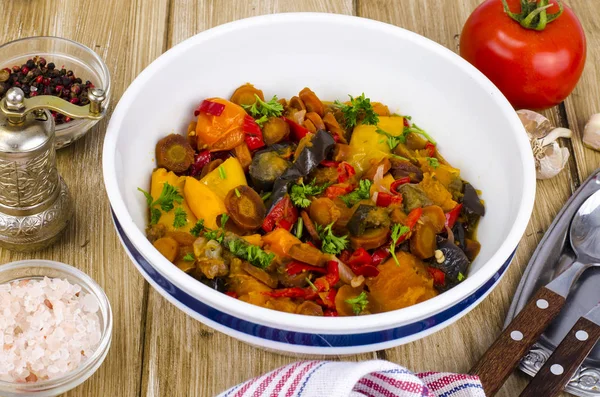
450, 235
377, 182
346, 274
298, 117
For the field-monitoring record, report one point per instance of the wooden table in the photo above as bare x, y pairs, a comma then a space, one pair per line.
159, 351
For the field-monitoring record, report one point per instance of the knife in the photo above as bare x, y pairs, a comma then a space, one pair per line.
568, 356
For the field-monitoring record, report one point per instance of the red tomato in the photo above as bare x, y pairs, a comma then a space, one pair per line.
533, 69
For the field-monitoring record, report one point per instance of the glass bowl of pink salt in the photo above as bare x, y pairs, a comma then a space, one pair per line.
55, 328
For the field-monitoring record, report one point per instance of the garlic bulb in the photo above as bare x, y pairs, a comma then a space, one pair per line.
591, 133
549, 157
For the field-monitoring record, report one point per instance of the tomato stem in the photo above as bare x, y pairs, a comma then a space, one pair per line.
533, 14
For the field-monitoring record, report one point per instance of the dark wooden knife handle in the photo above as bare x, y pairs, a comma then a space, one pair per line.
562, 364
501, 359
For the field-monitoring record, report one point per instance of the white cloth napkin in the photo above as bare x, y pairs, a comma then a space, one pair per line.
374, 378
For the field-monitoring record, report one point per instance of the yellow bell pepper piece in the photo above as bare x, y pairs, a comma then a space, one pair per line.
159, 177
386, 182
225, 177
204, 203
369, 147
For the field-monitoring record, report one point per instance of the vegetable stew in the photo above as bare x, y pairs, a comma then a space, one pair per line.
312, 207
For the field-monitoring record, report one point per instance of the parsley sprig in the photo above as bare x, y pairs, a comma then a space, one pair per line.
251, 253
189, 257
359, 109
217, 234
331, 244
397, 232
417, 130
433, 162
299, 193
392, 140
358, 303
363, 192
262, 110
180, 219
165, 201
198, 228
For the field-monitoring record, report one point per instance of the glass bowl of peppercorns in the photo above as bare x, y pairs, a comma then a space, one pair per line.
55, 66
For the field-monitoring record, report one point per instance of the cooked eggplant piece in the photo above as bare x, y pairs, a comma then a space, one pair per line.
413, 197
260, 274
155, 232
174, 153
325, 175
245, 207
297, 280
371, 238
368, 217
472, 248
459, 234
471, 202
266, 167
456, 187
217, 283
455, 263
310, 157
401, 169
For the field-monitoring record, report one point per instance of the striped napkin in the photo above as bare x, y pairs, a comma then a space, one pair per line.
374, 378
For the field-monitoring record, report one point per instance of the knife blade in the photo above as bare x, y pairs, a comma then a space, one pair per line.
568, 356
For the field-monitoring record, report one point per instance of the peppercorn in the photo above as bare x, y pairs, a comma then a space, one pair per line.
37, 77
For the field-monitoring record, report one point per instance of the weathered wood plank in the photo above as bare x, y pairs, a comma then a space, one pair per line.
127, 35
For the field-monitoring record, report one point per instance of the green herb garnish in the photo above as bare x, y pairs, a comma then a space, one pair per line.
168, 195
310, 283
262, 110
433, 162
363, 192
397, 232
460, 277
331, 244
197, 229
266, 196
359, 303
155, 215
360, 109
237, 193
392, 140
218, 234
180, 218
222, 173
299, 193
253, 254
414, 128
299, 227
189, 257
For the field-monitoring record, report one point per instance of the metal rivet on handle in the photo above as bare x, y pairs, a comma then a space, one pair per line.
557, 369
542, 303
516, 335
581, 335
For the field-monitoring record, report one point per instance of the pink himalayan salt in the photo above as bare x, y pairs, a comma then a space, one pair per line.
47, 328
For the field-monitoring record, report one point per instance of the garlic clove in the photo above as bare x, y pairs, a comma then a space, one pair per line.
591, 133
536, 125
553, 162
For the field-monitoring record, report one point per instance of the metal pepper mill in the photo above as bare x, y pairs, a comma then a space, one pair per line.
35, 204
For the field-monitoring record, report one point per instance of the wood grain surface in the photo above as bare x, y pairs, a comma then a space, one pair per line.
159, 351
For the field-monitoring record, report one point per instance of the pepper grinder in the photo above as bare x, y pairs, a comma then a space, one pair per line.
35, 203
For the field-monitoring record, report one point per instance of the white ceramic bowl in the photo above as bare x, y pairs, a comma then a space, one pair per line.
477, 130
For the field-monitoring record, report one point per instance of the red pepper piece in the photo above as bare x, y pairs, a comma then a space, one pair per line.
413, 217
283, 214
296, 267
430, 148
232, 294
200, 160
365, 270
328, 298
453, 215
439, 277
345, 172
253, 134
399, 182
344, 256
330, 313
380, 255
330, 279
329, 163
337, 190
406, 123
209, 107
386, 199
359, 257
298, 131
294, 292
